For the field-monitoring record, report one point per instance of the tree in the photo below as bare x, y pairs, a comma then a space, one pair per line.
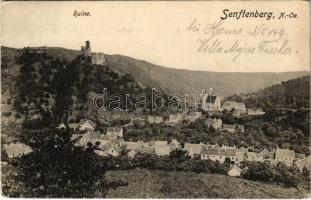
179, 154
227, 161
55, 167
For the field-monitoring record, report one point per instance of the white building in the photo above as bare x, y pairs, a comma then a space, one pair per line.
285, 156
176, 118
154, 119
215, 123
115, 132
16, 149
219, 154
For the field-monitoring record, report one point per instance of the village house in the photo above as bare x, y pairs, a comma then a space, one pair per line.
193, 116
115, 132
239, 156
268, 154
86, 125
140, 146
302, 163
255, 112
85, 138
175, 118
83, 126
133, 145
104, 147
238, 108
227, 147
61, 126
132, 153
285, 156
154, 119
231, 128
159, 143
193, 150
109, 149
138, 120
163, 150
219, 154
235, 171
174, 144
16, 149
76, 138
210, 102
215, 123
243, 149
212, 146
73, 127
299, 156
253, 156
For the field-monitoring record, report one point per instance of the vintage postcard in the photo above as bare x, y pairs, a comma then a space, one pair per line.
191, 99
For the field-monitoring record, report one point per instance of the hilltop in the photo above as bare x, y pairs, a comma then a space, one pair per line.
170, 80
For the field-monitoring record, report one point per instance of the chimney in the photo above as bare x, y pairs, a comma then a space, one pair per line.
87, 44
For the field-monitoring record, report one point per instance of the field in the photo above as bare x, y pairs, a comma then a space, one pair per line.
162, 184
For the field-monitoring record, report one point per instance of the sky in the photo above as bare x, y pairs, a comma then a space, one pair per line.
156, 32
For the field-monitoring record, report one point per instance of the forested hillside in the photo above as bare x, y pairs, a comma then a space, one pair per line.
293, 93
171, 80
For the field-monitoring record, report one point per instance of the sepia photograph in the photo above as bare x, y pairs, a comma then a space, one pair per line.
158, 99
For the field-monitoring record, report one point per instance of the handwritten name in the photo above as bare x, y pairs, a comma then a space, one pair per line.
222, 38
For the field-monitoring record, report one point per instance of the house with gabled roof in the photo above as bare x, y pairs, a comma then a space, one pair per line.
210, 102
218, 154
255, 112
16, 149
193, 116
174, 144
154, 119
73, 126
234, 171
86, 125
231, 128
108, 149
303, 163
159, 143
140, 146
285, 156
132, 153
215, 123
253, 156
194, 150
163, 150
114, 132
61, 126
175, 118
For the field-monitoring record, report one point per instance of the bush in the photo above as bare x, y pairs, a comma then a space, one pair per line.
177, 161
280, 174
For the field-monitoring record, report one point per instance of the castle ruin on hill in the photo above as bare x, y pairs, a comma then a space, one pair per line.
96, 58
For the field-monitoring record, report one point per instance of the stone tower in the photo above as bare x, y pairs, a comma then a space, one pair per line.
96, 58
86, 50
